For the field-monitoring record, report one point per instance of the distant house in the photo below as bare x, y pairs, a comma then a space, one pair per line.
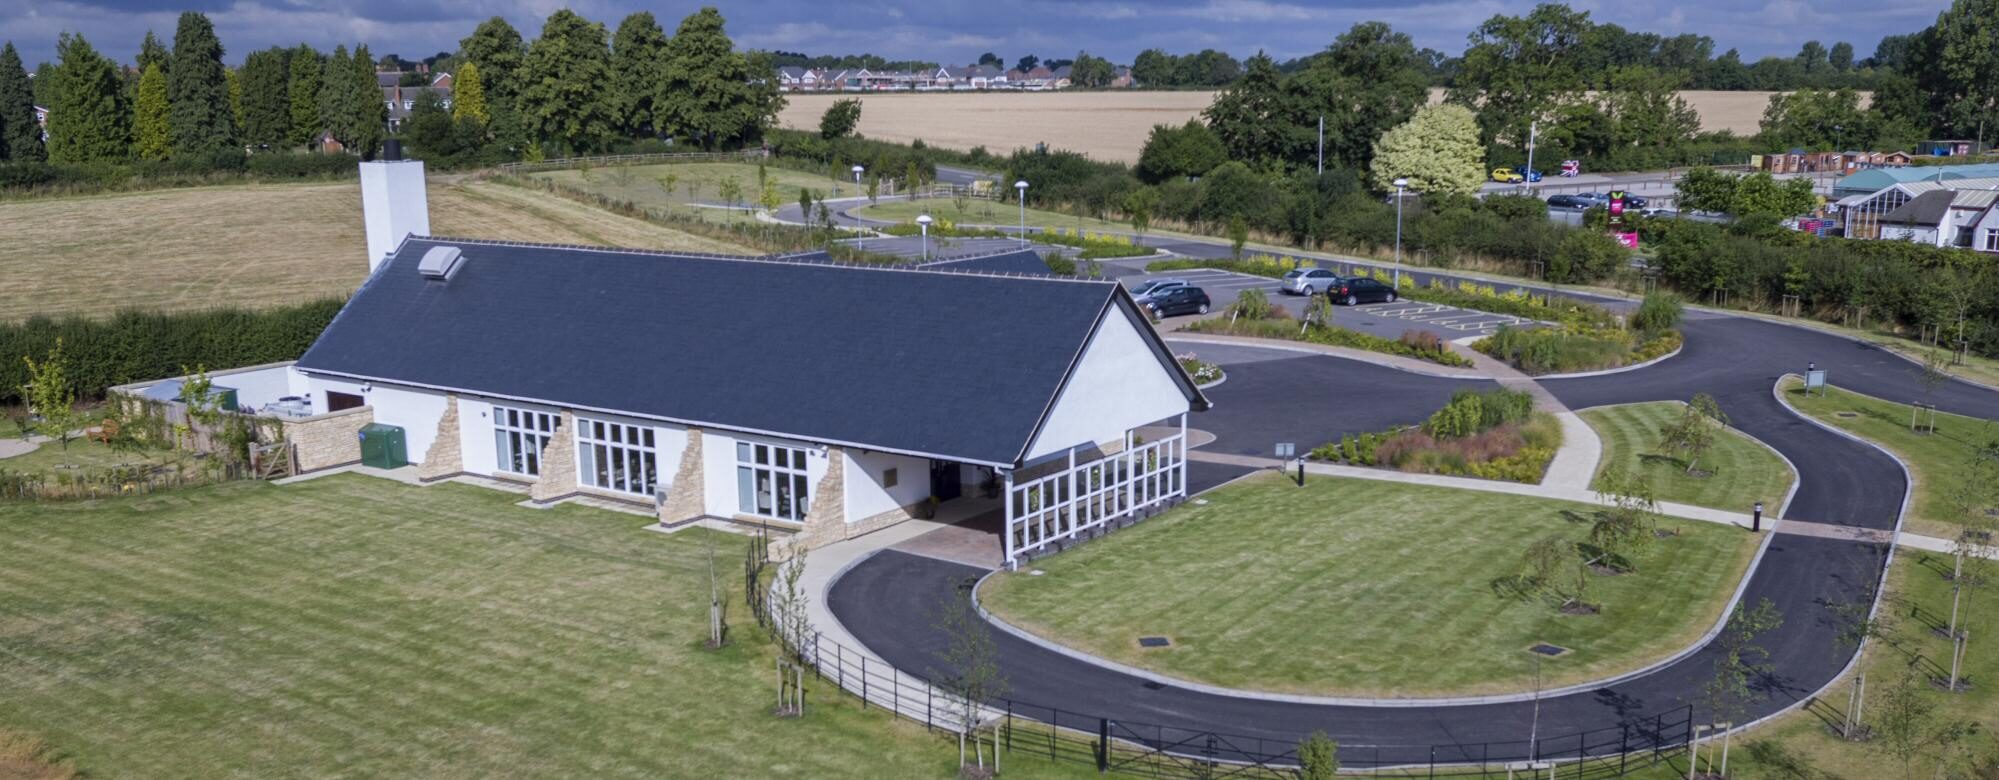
388, 78
791, 78
1124, 80
401, 101
1943, 218
1801, 161
443, 80
42, 119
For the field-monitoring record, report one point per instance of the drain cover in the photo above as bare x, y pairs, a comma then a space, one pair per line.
1547, 649
1153, 641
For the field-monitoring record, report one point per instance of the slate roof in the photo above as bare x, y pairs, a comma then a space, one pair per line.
1927, 209
959, 366
1020, 261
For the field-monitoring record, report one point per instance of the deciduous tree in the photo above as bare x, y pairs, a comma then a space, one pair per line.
1692, 433
1252, 118
840, 118
1727, 694
496, 47
51, 396
201, 118
638, 56
1437, 150
564, 101
1186, 151
712, 94
970, 661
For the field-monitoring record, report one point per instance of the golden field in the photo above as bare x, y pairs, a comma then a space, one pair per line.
1103, 125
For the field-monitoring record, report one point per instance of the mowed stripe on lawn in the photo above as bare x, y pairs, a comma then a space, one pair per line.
1359, 587
1740, 471
354, 626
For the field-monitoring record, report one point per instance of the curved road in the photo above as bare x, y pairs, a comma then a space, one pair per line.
886, 601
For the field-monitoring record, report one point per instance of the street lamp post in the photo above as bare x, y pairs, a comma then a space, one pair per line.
857, 191
1400, 186
1020, 194
923, 223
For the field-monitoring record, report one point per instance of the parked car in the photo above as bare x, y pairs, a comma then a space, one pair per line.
1570, 202
1309, 281
1150, 287
1660, 213
1634, 202
1529, 174
1178, 300
1507, 176
1359, 290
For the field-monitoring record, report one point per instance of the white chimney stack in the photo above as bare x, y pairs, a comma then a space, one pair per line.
393, 201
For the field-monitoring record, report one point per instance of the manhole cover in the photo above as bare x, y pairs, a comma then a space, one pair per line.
1200, 502
1548, 649
1035, 572
1153, 641
1846, 415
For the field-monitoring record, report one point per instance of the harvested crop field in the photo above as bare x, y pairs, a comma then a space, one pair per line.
1105, 125
255, 245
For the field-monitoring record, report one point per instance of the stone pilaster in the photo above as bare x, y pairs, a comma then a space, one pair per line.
328, 440
558, 463
826, 520
445, 458
687, 496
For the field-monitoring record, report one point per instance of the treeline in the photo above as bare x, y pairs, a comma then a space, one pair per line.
134, 345
576, 89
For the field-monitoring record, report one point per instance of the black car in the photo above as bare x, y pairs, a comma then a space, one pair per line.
1178, 300
1360, 290
1571, 202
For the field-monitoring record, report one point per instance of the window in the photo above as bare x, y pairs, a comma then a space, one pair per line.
771, 481
616, 457
519, 436
888, 478
337, 401
1991, 240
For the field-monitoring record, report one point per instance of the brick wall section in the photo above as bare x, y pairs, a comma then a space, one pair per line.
445, 458
826, 520
558, 463
686, 497
328, 440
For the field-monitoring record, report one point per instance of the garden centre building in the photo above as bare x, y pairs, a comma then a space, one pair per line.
823, 398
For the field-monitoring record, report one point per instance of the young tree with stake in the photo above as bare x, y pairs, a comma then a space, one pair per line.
1693, 432
51, 396
971, 660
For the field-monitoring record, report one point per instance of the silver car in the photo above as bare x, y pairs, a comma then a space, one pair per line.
1309, 281
1143, 291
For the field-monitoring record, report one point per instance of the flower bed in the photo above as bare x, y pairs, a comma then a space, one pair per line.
1414, 344
1095, 246
1570, 349
1202, 372
1490, 435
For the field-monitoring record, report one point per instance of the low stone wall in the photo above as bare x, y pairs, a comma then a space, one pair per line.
328, 440
686, 497
826, 519
558, 463
445, 458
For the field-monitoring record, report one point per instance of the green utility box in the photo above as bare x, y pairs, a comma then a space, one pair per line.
383, 447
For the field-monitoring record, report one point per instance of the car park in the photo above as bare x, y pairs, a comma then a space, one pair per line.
1309, 281
1172, 301
1359, 290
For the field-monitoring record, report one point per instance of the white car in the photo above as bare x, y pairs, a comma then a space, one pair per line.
1144, 290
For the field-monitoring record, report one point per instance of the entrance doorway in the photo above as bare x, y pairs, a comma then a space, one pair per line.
946, 481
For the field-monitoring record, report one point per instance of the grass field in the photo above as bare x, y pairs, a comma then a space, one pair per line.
1105, 125
52, 457
984, 212
1741, 471
255, 245
1364, 588
695, 183
355, 627
1937, 461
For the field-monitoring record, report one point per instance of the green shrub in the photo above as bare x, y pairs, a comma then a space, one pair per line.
1471, 412
1251, 304
1558, 350
1658, 313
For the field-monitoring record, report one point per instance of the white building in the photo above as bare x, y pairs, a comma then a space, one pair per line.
826, 399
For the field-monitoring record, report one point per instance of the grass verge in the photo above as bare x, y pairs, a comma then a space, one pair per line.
1384, 589
1740, 471
1936, 461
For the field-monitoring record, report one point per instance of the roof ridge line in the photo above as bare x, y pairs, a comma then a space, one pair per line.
774, 259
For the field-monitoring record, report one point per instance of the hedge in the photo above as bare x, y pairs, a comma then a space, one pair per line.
138, 345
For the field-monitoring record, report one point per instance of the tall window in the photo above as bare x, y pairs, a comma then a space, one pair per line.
1992, 239
617, 457
771, 481
519, 436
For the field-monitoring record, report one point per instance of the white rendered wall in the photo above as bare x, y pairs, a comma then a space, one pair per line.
1119, 384
394, 204
864, 475
257, 386
415, 411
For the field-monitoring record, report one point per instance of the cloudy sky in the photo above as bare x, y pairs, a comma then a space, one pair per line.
951, 30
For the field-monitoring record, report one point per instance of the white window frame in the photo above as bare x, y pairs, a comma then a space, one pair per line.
617, 457
773, 480
1992, 239
513, 426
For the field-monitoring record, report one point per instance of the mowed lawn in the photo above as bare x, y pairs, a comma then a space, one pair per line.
1936, 461
355, 627
697, 183
1360, 587
259, 244
979, 211
81, 455
1736, 472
